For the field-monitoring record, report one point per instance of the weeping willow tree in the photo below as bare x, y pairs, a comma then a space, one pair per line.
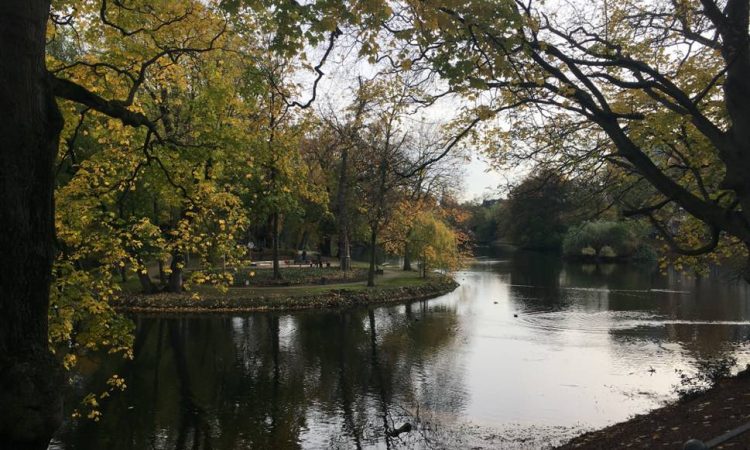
433, 243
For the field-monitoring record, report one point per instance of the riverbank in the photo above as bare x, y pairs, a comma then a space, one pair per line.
395, 289
705, 416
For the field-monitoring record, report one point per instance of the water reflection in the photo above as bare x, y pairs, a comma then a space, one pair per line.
528, 351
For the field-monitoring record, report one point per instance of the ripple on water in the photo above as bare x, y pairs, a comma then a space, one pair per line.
604, 289
606, 321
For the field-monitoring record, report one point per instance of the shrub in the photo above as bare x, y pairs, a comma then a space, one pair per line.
619, 239
588, 251
574, 242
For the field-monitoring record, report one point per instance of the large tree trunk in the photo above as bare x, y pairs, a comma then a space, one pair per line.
407, 257
733, 27
303, 240
325, 246
162, 274
175, 278
345, 258
30, 378
147, 286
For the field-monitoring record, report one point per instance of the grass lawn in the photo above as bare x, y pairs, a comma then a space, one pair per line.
391, 278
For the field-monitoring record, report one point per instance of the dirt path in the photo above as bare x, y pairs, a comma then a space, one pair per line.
705, 417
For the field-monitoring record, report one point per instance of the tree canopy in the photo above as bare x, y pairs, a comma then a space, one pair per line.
160, 138
652, 96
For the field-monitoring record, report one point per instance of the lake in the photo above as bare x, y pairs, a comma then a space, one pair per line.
528, 352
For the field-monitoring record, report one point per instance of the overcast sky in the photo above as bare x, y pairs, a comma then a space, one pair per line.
341, 72
480, 180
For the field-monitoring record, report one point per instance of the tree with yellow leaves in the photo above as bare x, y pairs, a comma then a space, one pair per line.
434, 244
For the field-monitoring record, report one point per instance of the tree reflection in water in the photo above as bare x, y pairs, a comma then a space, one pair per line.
528, 340
338, 379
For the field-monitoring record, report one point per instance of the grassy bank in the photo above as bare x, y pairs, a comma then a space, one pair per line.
704, 416
295, 276
392, 288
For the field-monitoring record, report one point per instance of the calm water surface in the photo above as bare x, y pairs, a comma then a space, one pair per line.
590, 346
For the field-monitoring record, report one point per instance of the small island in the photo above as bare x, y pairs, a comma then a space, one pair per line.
395, 287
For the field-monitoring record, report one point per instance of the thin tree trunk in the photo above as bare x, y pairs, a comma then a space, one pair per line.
30, 378
345, 259
373, 243
275, 243
379, 208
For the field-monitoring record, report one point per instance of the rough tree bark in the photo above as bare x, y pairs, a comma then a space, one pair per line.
407, 256
175, 277
30, 378
162, 273
147, 286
